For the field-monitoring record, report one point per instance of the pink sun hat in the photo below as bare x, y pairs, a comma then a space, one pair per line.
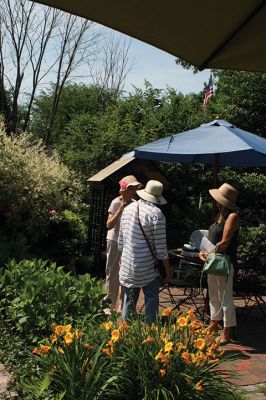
129, 181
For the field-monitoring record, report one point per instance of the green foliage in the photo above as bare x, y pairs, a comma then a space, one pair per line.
241, 99
38, 386
90, 137
35, 294
77, 371
76, 100
174, 360
252, 250
32, 183
67, 235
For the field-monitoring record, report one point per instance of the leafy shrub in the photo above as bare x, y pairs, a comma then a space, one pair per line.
252, 248
32, 183
175, 360
34, 294
67, 237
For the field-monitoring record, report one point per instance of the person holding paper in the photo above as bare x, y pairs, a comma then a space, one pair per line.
223, 234
128, 187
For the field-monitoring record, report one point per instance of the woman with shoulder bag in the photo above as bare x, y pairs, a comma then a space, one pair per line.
142, 237
223, 233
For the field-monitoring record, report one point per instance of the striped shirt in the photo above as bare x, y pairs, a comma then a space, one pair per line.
137, 264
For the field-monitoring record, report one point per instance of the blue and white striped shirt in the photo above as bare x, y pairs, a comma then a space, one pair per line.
137, 264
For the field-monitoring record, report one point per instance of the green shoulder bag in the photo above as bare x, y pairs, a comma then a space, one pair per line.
217, 264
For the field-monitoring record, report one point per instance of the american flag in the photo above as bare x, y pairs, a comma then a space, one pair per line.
208, 93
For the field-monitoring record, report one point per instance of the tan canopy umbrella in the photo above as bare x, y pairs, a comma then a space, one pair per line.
222, 34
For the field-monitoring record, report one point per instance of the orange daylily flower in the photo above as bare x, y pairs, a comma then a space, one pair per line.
59, 330
53, 339
214, 346
68, 338
88, 346
108, 352
36, 351
168, 347
149, 339
195, 324
182, 321
67, 328
191, 314
186, 357
198, 386
181, 346
107, 326
166, 312
45, 348
200, 355
162, 372
162, 357
200, 343
115, 335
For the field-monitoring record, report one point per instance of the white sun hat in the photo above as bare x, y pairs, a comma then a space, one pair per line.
152, 193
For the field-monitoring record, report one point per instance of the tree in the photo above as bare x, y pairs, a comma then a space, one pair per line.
90, 134
240, 98
111, 71
37, 41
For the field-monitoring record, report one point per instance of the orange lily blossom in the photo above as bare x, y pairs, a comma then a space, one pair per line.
36, 351
115, 335
108, 352
45, 348
149, 339
166, 312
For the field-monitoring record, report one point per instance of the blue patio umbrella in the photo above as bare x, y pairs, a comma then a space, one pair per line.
218, 143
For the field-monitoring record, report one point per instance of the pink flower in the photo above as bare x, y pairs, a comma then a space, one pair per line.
52, 212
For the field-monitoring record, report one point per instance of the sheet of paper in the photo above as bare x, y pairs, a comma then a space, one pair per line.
206, 245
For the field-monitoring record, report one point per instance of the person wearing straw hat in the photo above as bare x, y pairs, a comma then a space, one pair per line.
128, 187
142, 237
224, 234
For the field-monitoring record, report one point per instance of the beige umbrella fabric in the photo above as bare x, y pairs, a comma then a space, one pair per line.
222, 34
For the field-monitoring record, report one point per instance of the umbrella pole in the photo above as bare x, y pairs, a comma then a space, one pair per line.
215, 170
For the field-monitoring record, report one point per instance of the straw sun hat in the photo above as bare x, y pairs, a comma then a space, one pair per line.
152, 193
226, 196
129, 181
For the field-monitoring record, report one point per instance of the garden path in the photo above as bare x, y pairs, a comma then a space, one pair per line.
5, 379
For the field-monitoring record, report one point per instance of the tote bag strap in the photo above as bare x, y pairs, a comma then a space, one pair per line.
144, 234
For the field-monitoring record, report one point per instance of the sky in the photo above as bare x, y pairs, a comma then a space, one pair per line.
160, 69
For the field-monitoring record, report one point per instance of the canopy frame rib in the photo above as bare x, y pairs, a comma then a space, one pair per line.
205, 63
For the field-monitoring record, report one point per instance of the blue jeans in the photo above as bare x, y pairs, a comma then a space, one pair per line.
151, 295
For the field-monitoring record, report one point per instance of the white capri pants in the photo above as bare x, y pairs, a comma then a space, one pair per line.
112, 273
221, 298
